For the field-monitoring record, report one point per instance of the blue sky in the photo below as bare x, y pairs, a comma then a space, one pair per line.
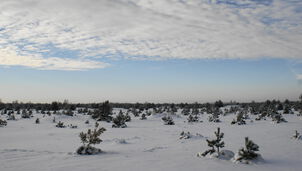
155, 51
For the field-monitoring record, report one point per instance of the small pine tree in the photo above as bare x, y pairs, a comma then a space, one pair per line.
215, 143
239, 119
168, 120
277, 117
192, 118
248, 152
103, 113
90, 138
297, 135
2, 122
214, 117
143, 117
37, 121
11, 117
127, 118
119, 121
60, 125
185, 135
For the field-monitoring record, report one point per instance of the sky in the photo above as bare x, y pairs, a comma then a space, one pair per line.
150, 50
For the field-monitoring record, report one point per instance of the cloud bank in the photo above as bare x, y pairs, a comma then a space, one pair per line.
146, 29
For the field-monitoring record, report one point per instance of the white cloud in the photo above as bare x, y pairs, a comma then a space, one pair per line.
154, 29
299, 76
8, 57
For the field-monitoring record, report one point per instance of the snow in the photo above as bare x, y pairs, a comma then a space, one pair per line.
145, 144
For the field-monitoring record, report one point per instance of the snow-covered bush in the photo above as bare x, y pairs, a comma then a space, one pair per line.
214, 117
297, 136
37, 121
143, 117
60, 125
185, 111
247, 154
215, 144
72, 126
168, 120
127, 118
103, 113
185, 135
261, 116
239, 119
192, 118
90, 138
11, 117
2, 122
26, 114
277, 118
119, 121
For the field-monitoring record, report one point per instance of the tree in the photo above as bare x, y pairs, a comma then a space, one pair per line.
103, 113
143, 117
248, 152
218, 104
192, 118
239, 119
119, 121
54, 106
215, 143
297, 135
2, 122
168, 120
90, 138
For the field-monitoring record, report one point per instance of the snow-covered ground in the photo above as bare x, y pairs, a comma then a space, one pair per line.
144, 145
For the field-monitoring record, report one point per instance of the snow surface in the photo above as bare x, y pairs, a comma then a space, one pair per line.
145, 145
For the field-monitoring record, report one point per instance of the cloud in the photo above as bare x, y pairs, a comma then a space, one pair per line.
153, 29
8, 57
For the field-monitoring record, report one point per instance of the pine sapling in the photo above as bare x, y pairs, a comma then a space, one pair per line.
215, 144
297, 135
92, 137
248, 152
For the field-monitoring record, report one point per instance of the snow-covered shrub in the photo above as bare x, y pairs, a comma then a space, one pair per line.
247, 153
103, 113
119, 121
214, 118
25, 114
168, 120
261, 116
11, 117
2, 122
277, 117
143, 117
90, 138
192, 118
185, 111
185, 135
239, 119
215, 144
37, 121
297, 136
68, 112
87, 122
72, 126
60, 125
127, 118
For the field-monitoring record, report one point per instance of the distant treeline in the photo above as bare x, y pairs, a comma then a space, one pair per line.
15, 105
